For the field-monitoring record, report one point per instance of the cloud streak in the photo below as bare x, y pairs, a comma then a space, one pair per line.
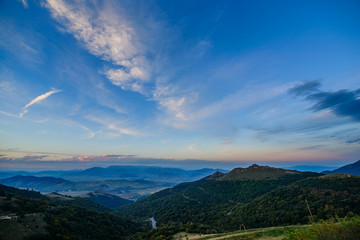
38, 100
344, 103
32, 102
354, 141
24, 2
114, 127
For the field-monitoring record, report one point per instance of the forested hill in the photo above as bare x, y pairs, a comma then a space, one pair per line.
328, 196
208, 200
34, 216
106, 199
256, 172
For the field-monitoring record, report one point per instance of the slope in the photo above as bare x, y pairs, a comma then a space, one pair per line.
106, 199
353, 168
328, 196
58, 221
207, 200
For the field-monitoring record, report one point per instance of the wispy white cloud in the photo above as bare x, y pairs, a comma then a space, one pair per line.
110, 35
25, 3
90, 134
32, 102
113, 37
9, 114
116, 128
38, 100
242, 98
182, 114
106, 33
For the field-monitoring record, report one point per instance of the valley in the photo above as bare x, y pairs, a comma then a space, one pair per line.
268, 202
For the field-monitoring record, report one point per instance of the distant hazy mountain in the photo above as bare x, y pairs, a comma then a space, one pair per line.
310, 168
150, 173
158, 174
353, 168
106, 199
50, 184
38, 183
7, 174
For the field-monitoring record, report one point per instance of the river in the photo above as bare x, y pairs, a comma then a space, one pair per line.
153, 222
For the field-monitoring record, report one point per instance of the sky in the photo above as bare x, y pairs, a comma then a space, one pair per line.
85, 83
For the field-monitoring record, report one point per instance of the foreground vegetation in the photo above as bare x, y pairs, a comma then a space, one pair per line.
333, 229
347, 228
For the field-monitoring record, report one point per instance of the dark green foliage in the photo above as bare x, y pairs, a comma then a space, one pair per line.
204, 202
225, 205
69, 222
105, 199
327, 197
256, 172
24, 206
83, 202
81, 223
19, 192
345, 229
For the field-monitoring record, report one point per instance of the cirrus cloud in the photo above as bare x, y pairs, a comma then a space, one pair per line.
107, 34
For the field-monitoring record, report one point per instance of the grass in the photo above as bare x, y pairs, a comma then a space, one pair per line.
333, 229
271, 233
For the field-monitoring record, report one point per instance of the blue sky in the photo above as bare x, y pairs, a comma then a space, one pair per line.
238, 81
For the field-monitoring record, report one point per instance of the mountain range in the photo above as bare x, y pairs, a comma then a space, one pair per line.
150, 173
130, 189
256, 196
353, 168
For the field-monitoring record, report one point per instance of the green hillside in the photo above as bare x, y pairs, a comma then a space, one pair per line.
105, 199
51, 220
328, 196
207, 201
256, 172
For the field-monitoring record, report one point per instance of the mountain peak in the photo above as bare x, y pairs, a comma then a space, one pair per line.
215, 175
256, 172
254, 166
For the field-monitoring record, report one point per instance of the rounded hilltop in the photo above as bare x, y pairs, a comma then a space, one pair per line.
256, 172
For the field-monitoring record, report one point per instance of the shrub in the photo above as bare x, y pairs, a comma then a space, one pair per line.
333, 229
